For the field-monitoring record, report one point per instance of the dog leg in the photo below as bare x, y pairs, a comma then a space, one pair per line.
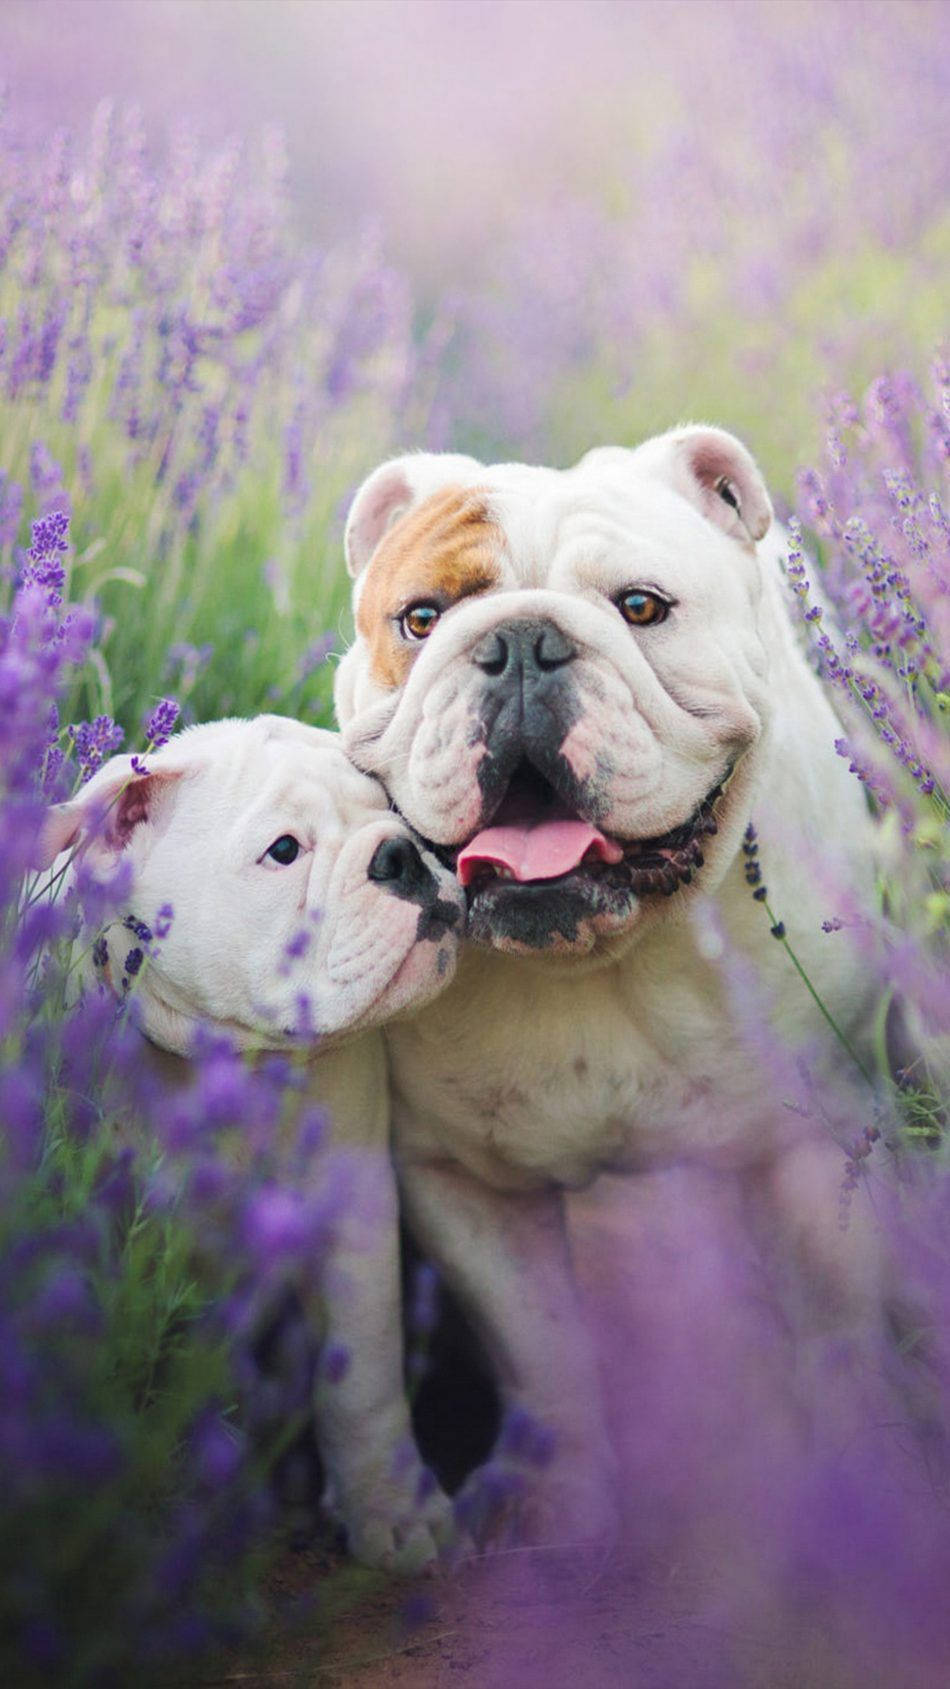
394, 1513
505, 1256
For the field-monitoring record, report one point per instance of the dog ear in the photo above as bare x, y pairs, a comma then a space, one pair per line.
716, 473
105, 813
394, 488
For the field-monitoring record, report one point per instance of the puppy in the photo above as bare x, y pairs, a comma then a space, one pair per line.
290, 879
582, 686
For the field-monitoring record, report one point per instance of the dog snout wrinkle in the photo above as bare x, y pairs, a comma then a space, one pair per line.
523, 649
529, 703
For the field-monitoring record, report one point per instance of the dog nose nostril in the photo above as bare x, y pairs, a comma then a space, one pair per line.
397, 863
491, 656
552, 648
523, 648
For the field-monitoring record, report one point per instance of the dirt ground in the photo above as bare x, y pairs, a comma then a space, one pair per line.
688, 1599
520, 1619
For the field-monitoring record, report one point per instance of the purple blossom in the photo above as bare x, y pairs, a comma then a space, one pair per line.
314, 657
295, 949
160, 722
11, 507
163, 920
46, 476
523, 1437
93, 742
423, 1305
277, 1224
48, 546
334, 1362
133, 961
217, 1450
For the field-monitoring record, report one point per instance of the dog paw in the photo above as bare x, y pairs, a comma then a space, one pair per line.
404, 1525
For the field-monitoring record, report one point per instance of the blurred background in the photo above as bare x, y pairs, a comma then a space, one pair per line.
622, 212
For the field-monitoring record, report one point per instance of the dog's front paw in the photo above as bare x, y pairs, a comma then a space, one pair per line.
399, 1522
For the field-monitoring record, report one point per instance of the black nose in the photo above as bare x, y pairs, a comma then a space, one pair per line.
526, 647
397, 864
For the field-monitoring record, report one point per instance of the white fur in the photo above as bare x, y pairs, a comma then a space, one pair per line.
196, 830
626, 1050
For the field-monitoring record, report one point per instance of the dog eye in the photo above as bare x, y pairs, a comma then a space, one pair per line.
642, 609
419, 620
284, 850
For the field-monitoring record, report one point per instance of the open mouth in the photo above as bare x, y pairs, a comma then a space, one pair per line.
535, 841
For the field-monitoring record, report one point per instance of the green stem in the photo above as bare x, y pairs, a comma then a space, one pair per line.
829, 1017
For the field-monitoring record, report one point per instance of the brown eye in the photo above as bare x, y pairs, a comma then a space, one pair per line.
419, 620
642, 609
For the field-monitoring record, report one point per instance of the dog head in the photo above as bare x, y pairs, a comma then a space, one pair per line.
561, 677
301, 904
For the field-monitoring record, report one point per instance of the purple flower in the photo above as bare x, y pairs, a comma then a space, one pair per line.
11, 506
43, 560
163, 920
334, 1362
93, 742
523, 1437
66, 1300
217, 1451
276, 1224
46, 475
423, 1307
314, 657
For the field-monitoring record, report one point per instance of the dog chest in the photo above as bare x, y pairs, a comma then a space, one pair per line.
524, 1083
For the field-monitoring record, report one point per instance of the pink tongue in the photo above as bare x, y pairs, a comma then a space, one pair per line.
540, 851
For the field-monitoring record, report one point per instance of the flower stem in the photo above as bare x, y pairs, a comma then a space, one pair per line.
842, 1038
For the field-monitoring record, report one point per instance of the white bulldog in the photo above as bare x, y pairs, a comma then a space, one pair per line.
290, 878
582, 685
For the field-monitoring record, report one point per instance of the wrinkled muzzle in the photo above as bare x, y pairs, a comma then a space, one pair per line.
399, 867
390, 930
483, 697
527, 703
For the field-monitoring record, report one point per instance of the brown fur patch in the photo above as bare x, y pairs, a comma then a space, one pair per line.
444, 550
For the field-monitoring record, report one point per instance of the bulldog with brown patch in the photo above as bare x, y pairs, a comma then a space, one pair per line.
581, 686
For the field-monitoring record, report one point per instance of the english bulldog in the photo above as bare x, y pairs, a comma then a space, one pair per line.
580, 686
290, 879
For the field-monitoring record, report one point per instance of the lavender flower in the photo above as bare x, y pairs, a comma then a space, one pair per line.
11, 505
93, 742
46, 475
43, 564
163, 920
160, 722
118, 1365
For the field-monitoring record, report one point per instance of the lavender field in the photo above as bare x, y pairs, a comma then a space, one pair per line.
245, 253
